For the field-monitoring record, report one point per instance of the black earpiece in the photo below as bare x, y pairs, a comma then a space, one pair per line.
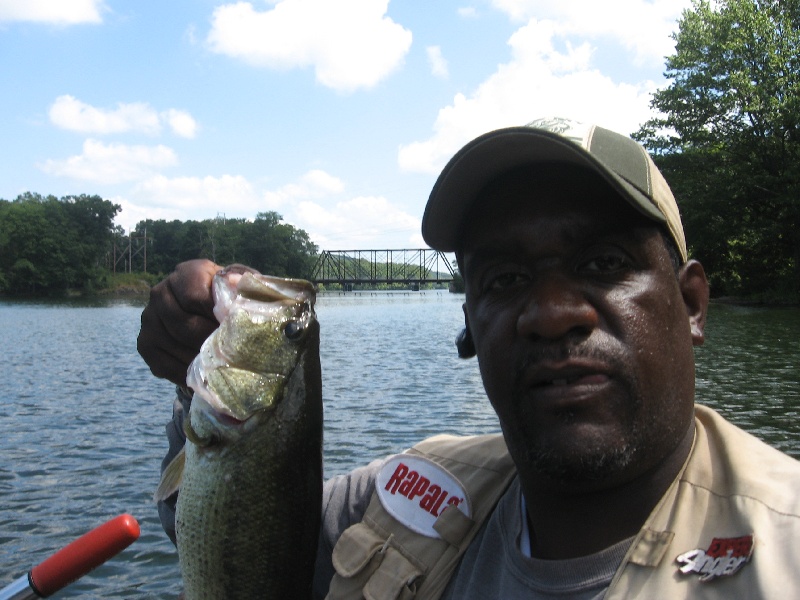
464, 344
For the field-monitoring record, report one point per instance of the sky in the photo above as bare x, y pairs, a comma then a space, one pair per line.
336, 114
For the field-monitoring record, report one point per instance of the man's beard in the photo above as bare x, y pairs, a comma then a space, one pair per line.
591, 464
595, 460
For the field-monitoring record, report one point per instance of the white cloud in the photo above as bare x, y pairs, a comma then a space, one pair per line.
467, 12
314, 184
539, 80
363, 222
132, 213
59, 12
321, 181
235, 196
437, 62
642, 27
316, 202
198, 198
112, 163
72, 114
351, 44
181, 122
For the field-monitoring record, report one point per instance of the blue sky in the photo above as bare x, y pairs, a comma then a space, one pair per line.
337, 114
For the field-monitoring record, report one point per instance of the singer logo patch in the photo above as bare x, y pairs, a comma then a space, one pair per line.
725, 556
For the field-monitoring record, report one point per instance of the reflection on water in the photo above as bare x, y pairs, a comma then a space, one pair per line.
391, 375
83, 418
748, 371
82, 424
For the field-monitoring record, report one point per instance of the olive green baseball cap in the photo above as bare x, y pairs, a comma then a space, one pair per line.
622, 162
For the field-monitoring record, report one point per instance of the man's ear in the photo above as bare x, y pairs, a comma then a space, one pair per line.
694, 289
464, 343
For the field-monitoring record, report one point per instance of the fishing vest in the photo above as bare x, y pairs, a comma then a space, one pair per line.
428, 505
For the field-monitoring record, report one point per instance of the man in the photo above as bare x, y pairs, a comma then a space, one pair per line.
583, 309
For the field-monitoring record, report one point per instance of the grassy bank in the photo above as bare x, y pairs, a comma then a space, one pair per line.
125, 284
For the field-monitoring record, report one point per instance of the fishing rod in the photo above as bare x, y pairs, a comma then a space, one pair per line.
74, 560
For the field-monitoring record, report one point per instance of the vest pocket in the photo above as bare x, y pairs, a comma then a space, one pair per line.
368, 566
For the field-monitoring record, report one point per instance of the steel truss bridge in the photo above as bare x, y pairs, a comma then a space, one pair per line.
373, 267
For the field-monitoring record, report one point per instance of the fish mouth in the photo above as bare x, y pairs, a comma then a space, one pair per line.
211, 421
230, 420
238, 280
299, 290
248, 285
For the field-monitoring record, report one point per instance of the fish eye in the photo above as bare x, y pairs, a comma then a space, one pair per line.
293, 330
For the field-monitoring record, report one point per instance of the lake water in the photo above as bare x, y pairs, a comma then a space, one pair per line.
82, 418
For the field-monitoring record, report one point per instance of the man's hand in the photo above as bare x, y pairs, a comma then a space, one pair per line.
178, 319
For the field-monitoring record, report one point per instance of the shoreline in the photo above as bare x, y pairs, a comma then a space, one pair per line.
141, 288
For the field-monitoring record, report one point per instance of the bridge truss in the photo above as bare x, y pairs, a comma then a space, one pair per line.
373, 267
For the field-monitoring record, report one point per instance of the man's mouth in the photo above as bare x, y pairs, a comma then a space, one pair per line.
568, 381
588, 378
565, 374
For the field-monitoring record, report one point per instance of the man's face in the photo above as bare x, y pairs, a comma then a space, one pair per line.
582, 335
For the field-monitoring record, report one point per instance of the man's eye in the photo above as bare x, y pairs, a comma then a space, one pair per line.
607, 263
504, 280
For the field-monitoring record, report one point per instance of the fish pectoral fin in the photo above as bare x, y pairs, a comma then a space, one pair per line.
171, 478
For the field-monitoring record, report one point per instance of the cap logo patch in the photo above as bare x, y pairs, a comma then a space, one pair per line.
415, 491
572, 130
725, 556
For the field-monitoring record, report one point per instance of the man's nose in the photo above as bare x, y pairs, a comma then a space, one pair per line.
556, 308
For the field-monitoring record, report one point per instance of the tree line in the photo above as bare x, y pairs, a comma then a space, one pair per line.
50, 245
265, 243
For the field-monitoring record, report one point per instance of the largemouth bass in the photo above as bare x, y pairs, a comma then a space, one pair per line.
248, 511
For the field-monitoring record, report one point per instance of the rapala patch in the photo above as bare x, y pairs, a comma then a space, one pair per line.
725, 556
415, 491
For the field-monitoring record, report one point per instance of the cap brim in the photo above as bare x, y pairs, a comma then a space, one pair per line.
495, 153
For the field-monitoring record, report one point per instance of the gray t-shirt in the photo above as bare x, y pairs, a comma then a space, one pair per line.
493, 566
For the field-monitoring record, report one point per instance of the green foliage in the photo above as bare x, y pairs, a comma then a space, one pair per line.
265, 243
135, 283
728, 141
457, 286
49, 245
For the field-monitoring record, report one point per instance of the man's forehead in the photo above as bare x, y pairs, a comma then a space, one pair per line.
547, 235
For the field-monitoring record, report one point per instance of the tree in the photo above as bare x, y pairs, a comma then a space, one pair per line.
49, 245
266, 243
276, 248
728, 140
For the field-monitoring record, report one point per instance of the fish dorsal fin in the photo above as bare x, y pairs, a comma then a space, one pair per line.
171, 478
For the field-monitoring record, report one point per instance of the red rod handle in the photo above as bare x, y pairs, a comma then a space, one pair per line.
84, 554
